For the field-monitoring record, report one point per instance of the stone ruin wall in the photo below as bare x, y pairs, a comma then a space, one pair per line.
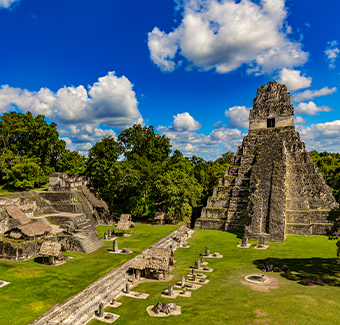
19, 252
272, 187
71, 194
75, 199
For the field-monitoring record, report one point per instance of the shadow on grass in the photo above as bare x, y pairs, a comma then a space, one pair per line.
38, 260
307, 271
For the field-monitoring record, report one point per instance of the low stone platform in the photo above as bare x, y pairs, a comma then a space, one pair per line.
201, 269
135, 294
161, 314
240, 245
3, 283
203, 276
264, 247
193, 286
116, 304
213, 256
176, 293
198, 281
108, 318
120, 252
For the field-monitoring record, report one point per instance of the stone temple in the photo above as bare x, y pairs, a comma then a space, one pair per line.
272, 187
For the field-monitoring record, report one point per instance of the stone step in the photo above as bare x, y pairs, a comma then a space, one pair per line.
247, 160
214, 213
222, 191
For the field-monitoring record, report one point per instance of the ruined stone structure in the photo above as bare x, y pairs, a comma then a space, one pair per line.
67, 213
80, 309
272, 187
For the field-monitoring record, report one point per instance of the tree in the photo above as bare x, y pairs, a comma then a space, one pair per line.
71, 162
103, 169
31, 142
208, 173
20, 172
334, 218
176, 188
329, 166
33, 137
145, 152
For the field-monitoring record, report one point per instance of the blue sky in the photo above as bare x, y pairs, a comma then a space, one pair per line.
189, 68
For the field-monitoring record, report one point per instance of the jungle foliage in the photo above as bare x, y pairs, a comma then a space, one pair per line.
136, 174
329, 166
30, 150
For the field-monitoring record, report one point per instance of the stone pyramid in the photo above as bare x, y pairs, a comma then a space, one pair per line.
272, 187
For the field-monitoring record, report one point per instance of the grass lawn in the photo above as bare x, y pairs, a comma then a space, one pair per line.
225, 300
35, 288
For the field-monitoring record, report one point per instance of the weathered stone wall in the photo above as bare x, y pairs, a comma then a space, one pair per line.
57, 196
18, 251
307, 188
63, 182
100, 213
272, 188
280, 121
267, 202
4, 219
71, 244
272, 100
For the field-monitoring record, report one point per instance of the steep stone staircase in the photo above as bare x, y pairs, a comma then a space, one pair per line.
227, 208
86, 233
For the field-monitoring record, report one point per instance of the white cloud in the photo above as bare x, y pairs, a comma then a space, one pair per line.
194, 143
226, 35
293, 80
332, 53
311, 94
299, 120
82, 148
311, 108
110, 101
239, 117
86, 133
185, 122
83, 116
322, 136
7, 3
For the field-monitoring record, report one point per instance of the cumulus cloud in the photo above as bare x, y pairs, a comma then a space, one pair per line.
332, 53
226, 35
83, 115
195, 143
110, 101
311, 108
293, 79
238, 116
311, 94
88, 133
7, 3
82, 148
185, 122
299, 120
321, 136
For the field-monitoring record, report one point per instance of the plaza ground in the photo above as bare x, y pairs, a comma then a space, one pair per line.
307, 294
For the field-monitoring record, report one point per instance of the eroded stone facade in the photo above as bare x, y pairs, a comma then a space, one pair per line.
272, 187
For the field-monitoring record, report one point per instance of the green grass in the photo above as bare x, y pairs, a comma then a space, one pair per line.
307, 294
225, 300
35, 288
